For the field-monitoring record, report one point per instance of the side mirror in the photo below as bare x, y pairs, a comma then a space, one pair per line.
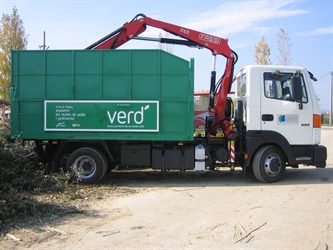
297, 88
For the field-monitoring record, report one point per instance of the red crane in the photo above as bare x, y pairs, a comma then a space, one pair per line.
218, 46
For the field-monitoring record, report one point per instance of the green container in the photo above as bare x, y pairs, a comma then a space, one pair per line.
102, 95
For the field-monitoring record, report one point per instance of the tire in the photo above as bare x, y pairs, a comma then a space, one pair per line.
106, 163
269, 164
87, 164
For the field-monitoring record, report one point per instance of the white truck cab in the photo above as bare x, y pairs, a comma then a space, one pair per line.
281, 118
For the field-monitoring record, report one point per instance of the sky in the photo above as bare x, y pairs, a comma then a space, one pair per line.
75, 24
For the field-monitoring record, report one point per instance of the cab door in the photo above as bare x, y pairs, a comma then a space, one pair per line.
281, 113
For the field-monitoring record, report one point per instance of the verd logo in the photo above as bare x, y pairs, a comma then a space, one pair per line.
122, 117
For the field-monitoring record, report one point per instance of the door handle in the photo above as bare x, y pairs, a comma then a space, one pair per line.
267, 117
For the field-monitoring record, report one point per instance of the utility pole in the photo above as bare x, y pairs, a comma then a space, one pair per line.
44, 46
331, 97
44, 41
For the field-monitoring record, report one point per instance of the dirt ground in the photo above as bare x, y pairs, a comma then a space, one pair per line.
212, 210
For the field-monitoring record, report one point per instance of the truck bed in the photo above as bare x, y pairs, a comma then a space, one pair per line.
102, 95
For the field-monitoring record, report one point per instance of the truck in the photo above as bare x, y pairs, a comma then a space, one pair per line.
101, 106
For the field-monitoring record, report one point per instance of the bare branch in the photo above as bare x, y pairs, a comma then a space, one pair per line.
284, 46
165, 47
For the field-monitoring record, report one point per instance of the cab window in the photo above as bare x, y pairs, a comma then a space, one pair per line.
281, 89
241, 85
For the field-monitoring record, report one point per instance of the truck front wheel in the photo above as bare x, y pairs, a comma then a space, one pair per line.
87, 164
269, 164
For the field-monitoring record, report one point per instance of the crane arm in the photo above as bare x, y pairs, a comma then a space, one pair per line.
137, 26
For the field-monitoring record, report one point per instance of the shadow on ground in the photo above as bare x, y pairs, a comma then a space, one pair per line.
149, 178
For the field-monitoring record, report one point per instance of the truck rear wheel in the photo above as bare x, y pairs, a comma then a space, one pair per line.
269, 164
88, 164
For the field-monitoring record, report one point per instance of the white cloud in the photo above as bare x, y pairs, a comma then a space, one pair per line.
234, 17
262, 31
318, 32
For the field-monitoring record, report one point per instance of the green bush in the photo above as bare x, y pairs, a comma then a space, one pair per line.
325, 119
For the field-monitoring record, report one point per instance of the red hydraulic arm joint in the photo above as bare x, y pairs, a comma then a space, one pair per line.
217, 45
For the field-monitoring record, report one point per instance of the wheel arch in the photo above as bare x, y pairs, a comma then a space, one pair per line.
258, 139
69, 146
57, 148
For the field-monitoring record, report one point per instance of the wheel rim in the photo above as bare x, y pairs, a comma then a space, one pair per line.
272, 164
85, 167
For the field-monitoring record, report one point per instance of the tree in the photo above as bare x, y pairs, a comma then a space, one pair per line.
164, 46
12, 37
284, 46
262, 52
201, 103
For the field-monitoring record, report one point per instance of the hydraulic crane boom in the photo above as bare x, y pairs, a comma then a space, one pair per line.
217, 45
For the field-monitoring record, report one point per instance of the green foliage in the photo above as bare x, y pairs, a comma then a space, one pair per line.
12, 37
72, 195
325, 119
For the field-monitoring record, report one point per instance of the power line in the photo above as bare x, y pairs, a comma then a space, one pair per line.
324, 76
